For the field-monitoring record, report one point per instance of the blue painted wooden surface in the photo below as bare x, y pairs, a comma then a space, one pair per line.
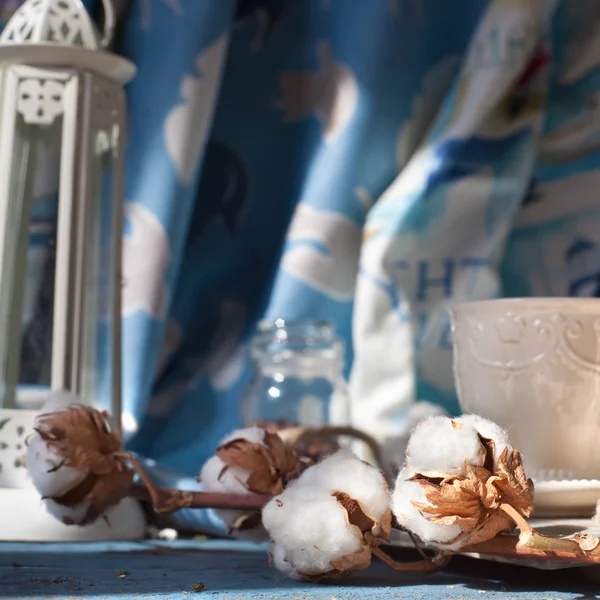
237, 571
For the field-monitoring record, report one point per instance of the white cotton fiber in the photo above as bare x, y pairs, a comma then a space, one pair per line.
343, 471
439, 444
49, 475
311, 528
69, 515
490, 430
233, 479
406, 492
230, 481
393, 449
280, 562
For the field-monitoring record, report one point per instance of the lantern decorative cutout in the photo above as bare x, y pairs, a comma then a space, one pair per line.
62, 137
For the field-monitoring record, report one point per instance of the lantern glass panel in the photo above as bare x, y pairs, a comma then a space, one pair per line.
34, 130
38, 295
99, 289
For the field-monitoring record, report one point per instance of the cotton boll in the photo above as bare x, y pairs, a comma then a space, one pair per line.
406, 492
439, 444
311, 528
490, 430
393, 449
49, 475
69, 515
232, 481
345, 472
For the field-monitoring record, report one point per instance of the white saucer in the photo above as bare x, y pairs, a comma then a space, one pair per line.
569, 498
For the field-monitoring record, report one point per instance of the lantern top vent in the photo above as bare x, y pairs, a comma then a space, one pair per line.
61, 22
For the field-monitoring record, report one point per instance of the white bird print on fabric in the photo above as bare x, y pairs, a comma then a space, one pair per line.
333, 270
146, 258
187, 126
331, 93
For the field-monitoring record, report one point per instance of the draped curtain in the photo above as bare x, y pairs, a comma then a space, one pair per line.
368, 163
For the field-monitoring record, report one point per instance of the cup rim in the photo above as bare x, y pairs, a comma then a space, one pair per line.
543, 303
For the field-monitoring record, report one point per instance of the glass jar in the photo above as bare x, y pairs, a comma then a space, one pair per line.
298, 375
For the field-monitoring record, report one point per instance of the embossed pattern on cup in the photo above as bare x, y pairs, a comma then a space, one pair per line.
533, 366
15, 427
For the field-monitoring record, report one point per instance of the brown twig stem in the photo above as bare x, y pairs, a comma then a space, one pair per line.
436, 562
517, 517
417, 545
167, 500
304, 435
533, 545
552, 546
189, 499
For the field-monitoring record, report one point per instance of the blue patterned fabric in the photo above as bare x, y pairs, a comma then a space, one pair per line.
364, 162
275, 126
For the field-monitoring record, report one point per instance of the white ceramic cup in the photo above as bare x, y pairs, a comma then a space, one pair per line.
533, 366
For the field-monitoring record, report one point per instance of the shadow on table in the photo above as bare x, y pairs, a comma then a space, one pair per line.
236, 574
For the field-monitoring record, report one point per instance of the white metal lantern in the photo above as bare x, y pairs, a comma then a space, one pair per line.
62, 135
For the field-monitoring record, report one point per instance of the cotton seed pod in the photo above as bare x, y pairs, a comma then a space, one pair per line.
251, 460
462, 504
323, 533
75, 462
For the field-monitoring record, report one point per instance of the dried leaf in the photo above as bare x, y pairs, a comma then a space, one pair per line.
385, 525
243, 454
270, 466
355, 513
100, 491
512, 482
494, 523
353, 563
586, 541
254, 459
489, 447
81, 436
344, 567
285, 459
473, 501
460, 500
